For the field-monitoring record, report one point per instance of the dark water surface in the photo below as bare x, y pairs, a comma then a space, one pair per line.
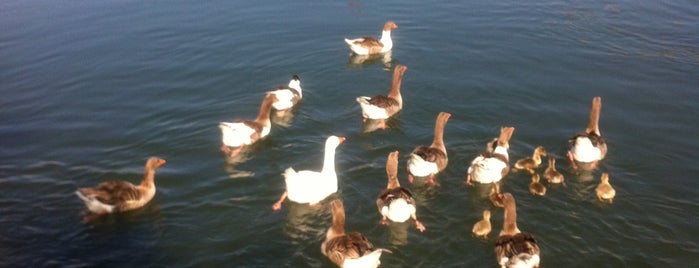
90, 89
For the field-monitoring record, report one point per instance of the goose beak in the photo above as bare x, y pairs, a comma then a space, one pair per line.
161, 161
342, 139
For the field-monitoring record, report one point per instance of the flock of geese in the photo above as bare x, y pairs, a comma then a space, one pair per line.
513, 248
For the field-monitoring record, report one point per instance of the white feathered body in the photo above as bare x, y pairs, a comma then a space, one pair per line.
398, 211
584, 151
288, 96
237, 134
95, 205
285, 97
356, 47
371, 111
420, 167
371, 260
488, 169
310, 187
523, 260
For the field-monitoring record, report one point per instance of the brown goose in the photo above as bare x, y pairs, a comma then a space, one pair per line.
246, 132
489, 167
531, 163
605, 191
482, 227
515, 248
395, 202
380, 106
369, 45
535, 187
428, 161
117, 196
588, 148
551, 174
348, 249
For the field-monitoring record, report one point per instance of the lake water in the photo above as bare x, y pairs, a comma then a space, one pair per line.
91, 89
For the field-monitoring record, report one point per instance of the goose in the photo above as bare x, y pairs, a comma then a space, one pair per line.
428, 161
535, 187
491, 167
531, 163
482, 227
588, 147
348, 250
551, 174
287, 96
491, 145
369, 45
383, 107
514, 248
240, 133
395, 202
605, 191
117, 196
311, 187
495, 196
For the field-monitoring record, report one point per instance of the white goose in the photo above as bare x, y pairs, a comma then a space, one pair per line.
287, 96
492, 166
116, 196
311, 187
428, 161
515, 248
380, 106
348, 250
369, 45
588, 148
246, 132
396, 203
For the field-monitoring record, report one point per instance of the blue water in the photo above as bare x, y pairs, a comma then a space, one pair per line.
89, 90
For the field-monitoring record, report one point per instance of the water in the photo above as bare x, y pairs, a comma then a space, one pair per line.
90, 90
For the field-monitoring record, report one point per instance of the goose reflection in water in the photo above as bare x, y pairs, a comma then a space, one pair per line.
398, 232
150, 212
583, 187
304, 222
231, 162
283, 118
371, 125
356, 61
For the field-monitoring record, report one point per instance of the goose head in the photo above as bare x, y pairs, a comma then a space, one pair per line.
390, 25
